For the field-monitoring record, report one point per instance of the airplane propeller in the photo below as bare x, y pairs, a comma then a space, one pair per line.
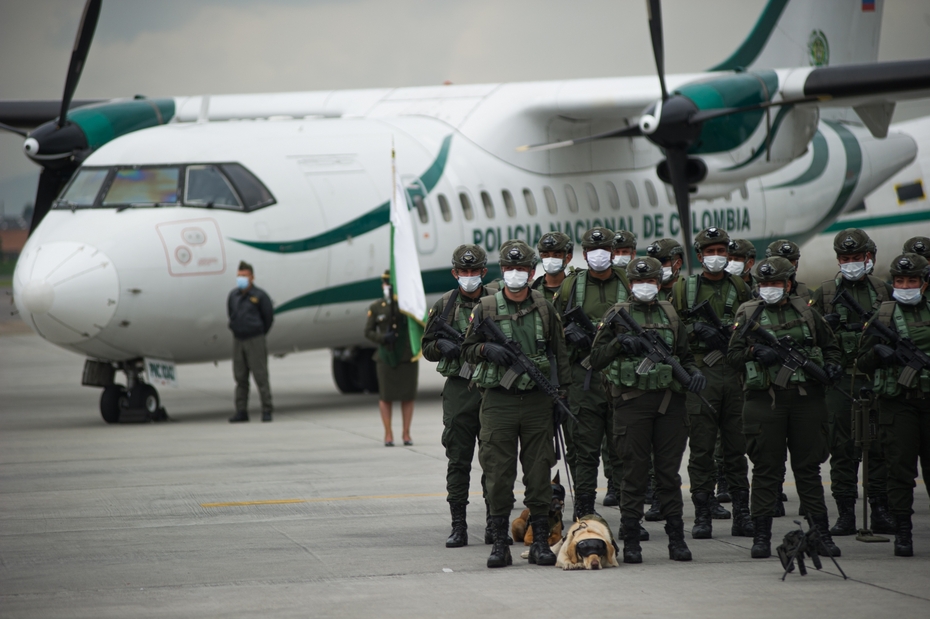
60, 147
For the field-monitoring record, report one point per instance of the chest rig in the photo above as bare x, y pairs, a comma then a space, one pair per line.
847, 338
622, 371
455, 313
801, 329
891, 382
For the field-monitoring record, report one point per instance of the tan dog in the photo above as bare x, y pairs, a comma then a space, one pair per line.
589, 545
519, 528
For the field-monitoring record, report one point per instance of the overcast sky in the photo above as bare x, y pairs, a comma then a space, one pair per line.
180, 47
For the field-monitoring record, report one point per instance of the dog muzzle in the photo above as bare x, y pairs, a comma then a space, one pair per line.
588, 547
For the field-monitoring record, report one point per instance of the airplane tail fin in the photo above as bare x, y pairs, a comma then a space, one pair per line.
800, 33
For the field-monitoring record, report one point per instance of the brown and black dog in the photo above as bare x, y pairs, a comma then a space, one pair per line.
519, 529
589, 545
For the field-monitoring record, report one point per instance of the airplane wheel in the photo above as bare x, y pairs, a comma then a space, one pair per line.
112, 401
345, 375
147, 396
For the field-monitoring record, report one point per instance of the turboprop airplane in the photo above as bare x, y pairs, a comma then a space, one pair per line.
145, 206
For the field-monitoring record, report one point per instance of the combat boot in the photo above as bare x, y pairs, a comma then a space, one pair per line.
677, 548
762, 541
540, 553
584, 505
717, 511
610, 499
742, 523
703, 528
846, 521
500, 552
629, 533
655, 511
903, 542
883, 521
822, 522
723, 488
459, 535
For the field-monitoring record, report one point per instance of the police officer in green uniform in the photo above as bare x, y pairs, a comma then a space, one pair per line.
852, 254
742, 257
919, 245
396, 368
723, 293
555, 252
460, 404
904, 395
670, 254
650, 419
795, 415
594, 290
790, 251
517, 421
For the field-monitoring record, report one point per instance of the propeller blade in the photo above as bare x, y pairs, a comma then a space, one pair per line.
82, 41
654, 9
51, 182
6, 127
677, 169
627, 132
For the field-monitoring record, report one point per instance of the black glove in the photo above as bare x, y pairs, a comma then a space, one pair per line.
631, 344
576, 336
559, 417
495, 353
854, 327
884, 355
697, 382
833, 371
765, 355
449, 350
710, 335
833, 320
390, 336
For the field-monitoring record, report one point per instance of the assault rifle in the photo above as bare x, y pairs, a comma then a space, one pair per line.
849, 302
797, 543
705, 311
791, 358
444, 330
577, 316
657, 351
906, 351
864, 431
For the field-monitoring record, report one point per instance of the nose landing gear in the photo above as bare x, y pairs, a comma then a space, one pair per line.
137, 399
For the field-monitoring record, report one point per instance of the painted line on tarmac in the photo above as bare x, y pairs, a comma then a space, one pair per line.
245, 503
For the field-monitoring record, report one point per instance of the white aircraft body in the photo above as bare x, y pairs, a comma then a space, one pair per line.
137, 256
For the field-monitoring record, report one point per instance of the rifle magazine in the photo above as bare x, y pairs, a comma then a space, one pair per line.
712, 358
784, 375
509, 377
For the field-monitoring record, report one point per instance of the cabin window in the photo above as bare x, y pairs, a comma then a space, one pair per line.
509, 204
612, 196
444, 207
467, 210
651, 194
550, 200
631, 193
204, 185
572, 198
593, 200
144, 187
530, 201
488, 205
83, 190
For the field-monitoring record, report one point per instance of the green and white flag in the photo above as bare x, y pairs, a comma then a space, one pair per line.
406, 280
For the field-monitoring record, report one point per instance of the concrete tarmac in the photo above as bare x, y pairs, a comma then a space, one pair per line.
312, 516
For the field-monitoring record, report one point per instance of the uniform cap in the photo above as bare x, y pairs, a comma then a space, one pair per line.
386, 276
517, 254
598, 238
245, 266
773, 269
784, 248
469, 257
919, 245
710, 236
910, 264
851, 241
665, 248
555, 241
644, 268
741, 248
624, 240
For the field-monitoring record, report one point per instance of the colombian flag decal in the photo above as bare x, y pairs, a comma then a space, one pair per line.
868, 6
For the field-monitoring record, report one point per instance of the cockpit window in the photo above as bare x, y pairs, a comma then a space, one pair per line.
83, 190
206, 186
254, 195
143, 187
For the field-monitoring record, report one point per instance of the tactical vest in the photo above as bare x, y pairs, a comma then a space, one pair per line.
802, 330
691, 286
457, 317
886, 380
622, 371
849, 340
488, 375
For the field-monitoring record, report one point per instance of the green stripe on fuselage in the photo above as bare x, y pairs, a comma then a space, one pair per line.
750, 49
818, 164
879, 221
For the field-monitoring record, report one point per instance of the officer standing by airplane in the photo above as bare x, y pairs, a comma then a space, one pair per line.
900, 363
783, 408
555, 252
584, 298
670, 255
251, 315
790, 251
853, 254
397, 369
650, 418
719, 294
517, 417
460, 405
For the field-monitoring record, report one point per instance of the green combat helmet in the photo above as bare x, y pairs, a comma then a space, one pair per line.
644, 268
598, 238
665, 248
517, 254
741, 248
469, 257
710, 236
624, 240
919, 245
910, 265
773, 269
784, 248
555, 241
852, 241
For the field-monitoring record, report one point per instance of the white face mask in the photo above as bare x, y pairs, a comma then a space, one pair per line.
553, 265
907, 296
735, 267
869, 265
516, 280
645, 292
666, 274
715, 264
387, 293
771, 295
470, 283
599, 259
621, 261
853, 271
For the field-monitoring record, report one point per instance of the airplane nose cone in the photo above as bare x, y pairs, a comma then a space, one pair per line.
67, 292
